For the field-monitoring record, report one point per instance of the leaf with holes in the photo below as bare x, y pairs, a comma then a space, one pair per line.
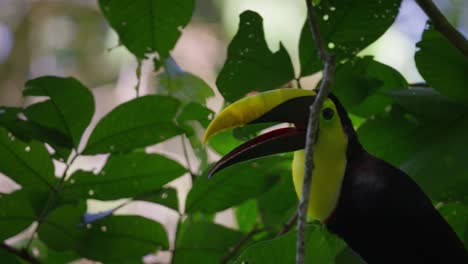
402, 139
138, 123
123, 176
122, 238
361, 85
165, 196
347, 27
45, 254
250, 65
426, 103
69, 109
148, 26
27, 130
442, 65
28, 164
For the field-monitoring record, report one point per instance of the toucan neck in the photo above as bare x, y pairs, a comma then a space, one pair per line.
330, 164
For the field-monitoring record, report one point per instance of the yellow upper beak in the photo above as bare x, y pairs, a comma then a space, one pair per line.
251, 108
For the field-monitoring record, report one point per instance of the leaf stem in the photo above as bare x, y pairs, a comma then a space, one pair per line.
189, 167
138, 75
298, 81
312, 127
235, 249
287, 226
419, 84
51, 197
443, 26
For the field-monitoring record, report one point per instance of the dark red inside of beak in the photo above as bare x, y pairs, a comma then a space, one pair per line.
274, 142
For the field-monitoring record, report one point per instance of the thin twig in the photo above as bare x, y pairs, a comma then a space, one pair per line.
235, 249
442, 25
419, 84
298, 81
287, 226
24, 254
51, 197
138, 75
312, 127
189, 167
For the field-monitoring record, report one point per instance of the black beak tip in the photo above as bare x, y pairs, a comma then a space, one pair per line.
211, 172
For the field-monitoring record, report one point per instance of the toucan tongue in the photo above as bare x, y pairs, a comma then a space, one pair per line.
273, 142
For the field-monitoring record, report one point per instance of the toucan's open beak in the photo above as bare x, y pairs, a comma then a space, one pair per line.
279, 106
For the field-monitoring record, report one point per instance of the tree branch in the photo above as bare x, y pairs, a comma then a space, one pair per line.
20, 253
443, 26
287, 226
312, 127
138, 75
233, 250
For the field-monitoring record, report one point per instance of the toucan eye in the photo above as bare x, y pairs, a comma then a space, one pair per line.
328, 113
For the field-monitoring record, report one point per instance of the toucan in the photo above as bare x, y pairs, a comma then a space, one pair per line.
377, 209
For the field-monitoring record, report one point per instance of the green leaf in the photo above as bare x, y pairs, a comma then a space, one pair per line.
7, 257
148, 26
246, 215
442, 66
63, 228
165, 196
203, 242
27, 164
361, 85
426, 104
250, 65
8, 113
223, 142
69, 109
16, 214
138, 123
348, 256
48, 255
233, 185
193, 118
27, 130
122, 238
347, 27
279, 204
456, 215
390, 135
322, 247
123, 176
182, 85
195, 112
249, 132
424, 150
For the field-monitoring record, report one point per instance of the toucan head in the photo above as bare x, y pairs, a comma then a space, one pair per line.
278, 106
